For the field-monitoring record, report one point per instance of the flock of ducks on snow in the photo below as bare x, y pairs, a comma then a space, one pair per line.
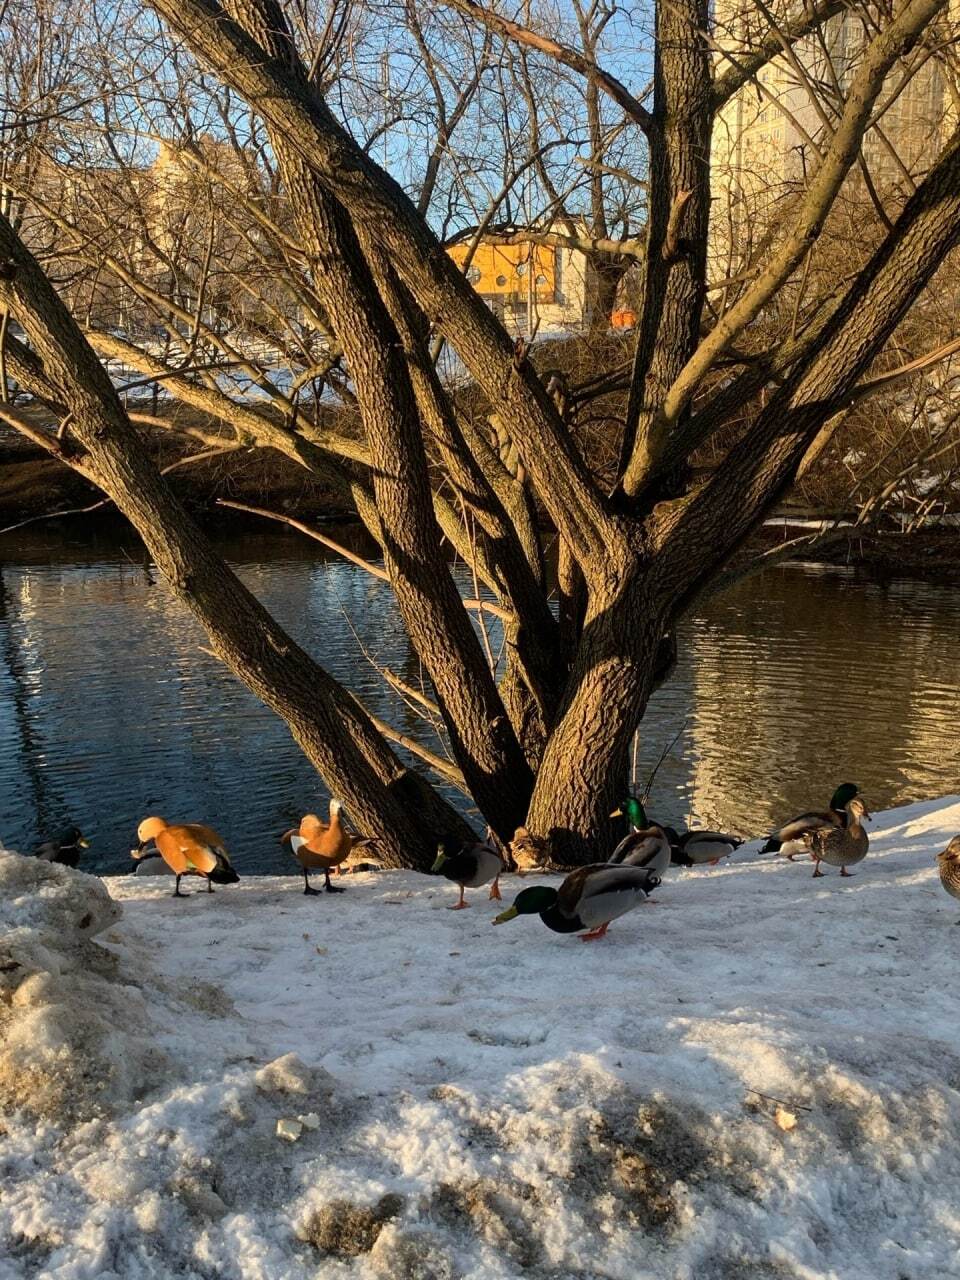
589, 898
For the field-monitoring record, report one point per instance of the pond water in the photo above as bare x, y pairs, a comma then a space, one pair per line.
110, 709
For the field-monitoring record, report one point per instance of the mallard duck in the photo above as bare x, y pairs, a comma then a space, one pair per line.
647, 845
840, 846
694, 848
948, 863
189, 849
321, 846
469, 866
63, 848
529, 852
789, 840
588, 899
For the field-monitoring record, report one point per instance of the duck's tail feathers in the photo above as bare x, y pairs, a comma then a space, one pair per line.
223, 872
772, 846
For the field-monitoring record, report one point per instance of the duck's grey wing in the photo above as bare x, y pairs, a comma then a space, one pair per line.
489, 865
636, 849
708, 844
611, 891
797, 827
721, 837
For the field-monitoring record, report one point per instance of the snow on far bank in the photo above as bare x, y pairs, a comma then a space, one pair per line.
489, 1103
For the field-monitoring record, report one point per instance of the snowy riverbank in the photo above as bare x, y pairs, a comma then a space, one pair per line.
491, 1103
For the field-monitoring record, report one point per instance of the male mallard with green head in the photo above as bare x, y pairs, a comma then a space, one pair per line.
790, 839
588, 899
840, 846
469, 866
948, 864
647, 845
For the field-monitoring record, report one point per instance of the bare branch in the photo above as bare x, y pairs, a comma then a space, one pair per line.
613, 87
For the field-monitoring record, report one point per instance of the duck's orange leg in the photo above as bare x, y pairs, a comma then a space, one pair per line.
462, 904
495, 890
595, 933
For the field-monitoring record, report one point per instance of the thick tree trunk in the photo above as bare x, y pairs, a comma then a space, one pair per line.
483, 741
381, 796
583, 771
675, 278
481, 735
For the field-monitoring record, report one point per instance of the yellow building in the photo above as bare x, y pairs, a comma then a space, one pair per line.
531, 287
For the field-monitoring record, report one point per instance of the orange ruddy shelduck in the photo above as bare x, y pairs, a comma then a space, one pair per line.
188, 850
320, 846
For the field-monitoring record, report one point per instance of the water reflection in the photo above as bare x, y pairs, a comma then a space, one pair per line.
110, 709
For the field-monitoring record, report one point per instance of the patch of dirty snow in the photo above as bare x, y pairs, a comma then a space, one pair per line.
368, 1085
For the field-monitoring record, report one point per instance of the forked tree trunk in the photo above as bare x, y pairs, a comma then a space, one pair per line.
584, 767
481, 735
627, 566
382, 797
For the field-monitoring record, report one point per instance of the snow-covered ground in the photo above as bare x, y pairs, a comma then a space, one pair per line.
486, 1103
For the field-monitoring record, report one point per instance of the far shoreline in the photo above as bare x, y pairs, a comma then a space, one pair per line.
38, 492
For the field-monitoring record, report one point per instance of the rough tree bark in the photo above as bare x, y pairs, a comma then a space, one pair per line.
382, 797
674, 285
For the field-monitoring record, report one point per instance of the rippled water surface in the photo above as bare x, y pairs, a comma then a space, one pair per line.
110, 709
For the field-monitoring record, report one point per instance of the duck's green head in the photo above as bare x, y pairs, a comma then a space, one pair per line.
843, 795
529, 902
633, 810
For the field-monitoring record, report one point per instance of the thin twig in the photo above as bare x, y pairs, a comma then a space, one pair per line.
770, 1098
405, 690
446, 770
663, 755
481, 605
317, 536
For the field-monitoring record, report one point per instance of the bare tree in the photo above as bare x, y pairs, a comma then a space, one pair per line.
490, 465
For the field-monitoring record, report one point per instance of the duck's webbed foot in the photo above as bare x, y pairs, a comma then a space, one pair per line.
331, 888
595, 933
